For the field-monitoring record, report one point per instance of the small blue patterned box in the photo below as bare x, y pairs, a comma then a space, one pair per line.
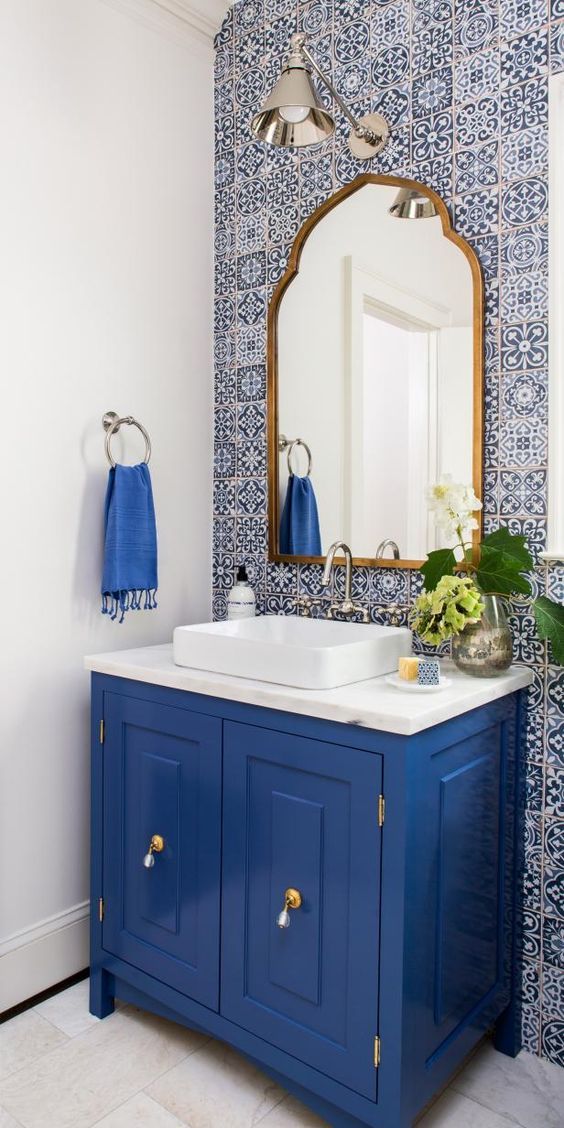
429, 672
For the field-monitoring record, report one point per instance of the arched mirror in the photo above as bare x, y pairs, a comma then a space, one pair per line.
375, 383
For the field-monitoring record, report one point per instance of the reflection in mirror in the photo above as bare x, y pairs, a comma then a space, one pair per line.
375, 374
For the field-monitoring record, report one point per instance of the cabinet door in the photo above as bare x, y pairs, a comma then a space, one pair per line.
162, 776
302, 813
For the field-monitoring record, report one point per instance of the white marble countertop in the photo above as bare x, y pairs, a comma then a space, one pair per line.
372, 704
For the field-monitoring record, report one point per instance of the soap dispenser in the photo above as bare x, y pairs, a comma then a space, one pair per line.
241, 602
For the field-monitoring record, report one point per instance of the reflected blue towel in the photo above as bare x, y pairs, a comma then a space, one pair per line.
129, 581
299, 525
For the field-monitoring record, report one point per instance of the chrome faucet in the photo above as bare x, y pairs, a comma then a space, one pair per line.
346, 606
382, 548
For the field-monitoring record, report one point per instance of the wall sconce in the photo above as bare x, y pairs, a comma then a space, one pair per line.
410, 204
294, 116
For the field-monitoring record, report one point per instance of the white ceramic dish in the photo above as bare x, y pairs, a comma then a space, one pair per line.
414, 687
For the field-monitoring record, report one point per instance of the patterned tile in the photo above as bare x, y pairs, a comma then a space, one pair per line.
487, 250
530, 1028
553, 892
465, 88
554, 842
525, 57
522, 443
525, 394
477, 75
553, 992
553, 942
525, 105
555, 740
552, 1041
554, 796
526, 248
525, 153
525, 346
530, 943
477, 122
477, 168
475, 27
524, 296
521, 15
432, 47
432, 92
390, 24
477, 213
352, 41
522, 491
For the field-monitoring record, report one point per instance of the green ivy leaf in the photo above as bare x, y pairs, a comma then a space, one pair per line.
513, 548
549, 618
500, 573
438, 564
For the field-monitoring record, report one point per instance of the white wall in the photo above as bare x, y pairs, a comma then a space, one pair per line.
105, 304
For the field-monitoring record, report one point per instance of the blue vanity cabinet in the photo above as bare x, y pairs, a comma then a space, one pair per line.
303, 814
162, 776
402, 953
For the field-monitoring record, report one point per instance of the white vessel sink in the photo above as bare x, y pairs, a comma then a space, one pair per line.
287, 650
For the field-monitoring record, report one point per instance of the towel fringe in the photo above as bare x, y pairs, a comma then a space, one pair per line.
114, 602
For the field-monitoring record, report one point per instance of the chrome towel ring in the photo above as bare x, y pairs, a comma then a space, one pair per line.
289, 445
112, 422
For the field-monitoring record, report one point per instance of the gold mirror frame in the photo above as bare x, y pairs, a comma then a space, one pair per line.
292, 271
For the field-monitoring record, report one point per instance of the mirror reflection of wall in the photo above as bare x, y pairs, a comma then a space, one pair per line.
375, 371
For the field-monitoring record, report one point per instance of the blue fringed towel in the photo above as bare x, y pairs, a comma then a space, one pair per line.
129, 582
299, 524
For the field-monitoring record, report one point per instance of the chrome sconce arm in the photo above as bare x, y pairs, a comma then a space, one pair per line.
373, 130
294, 116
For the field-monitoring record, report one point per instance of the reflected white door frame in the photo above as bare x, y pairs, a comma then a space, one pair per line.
406, 309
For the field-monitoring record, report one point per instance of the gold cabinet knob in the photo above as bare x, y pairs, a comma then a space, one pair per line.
156, 846
292, 900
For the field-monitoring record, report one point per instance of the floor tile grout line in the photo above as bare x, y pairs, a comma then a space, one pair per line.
56, 1049
139, 1093
486, 1107
285, 1097
54, 1026
17, 1123
172, 1067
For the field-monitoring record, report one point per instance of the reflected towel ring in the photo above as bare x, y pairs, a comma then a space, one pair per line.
287, 444
112, 423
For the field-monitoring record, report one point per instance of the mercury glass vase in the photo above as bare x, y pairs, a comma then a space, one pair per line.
485, 649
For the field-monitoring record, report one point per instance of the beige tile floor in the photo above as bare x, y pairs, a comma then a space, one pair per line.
61, 1068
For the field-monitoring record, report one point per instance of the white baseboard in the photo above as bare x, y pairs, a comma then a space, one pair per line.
38, 957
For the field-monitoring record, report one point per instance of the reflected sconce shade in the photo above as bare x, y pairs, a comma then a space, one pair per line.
410, 204
293, 115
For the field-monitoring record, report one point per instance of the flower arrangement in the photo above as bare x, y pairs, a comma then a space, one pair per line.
444, 609
453, 605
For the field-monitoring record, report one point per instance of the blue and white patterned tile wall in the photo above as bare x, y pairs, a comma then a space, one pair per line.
465, 88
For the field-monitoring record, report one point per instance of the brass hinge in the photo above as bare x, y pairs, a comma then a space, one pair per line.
102, 731
376, 1052
101, 908
381, 810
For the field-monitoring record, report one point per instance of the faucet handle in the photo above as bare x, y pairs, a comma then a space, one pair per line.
347, 609
305, 605
358, 609
394, 615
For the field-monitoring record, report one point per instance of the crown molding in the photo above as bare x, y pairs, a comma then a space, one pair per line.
204, 16
193, 23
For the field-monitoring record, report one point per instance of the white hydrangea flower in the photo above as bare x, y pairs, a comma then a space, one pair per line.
454, 505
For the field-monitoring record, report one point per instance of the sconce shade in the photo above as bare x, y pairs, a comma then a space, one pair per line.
293, 115
410, 204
